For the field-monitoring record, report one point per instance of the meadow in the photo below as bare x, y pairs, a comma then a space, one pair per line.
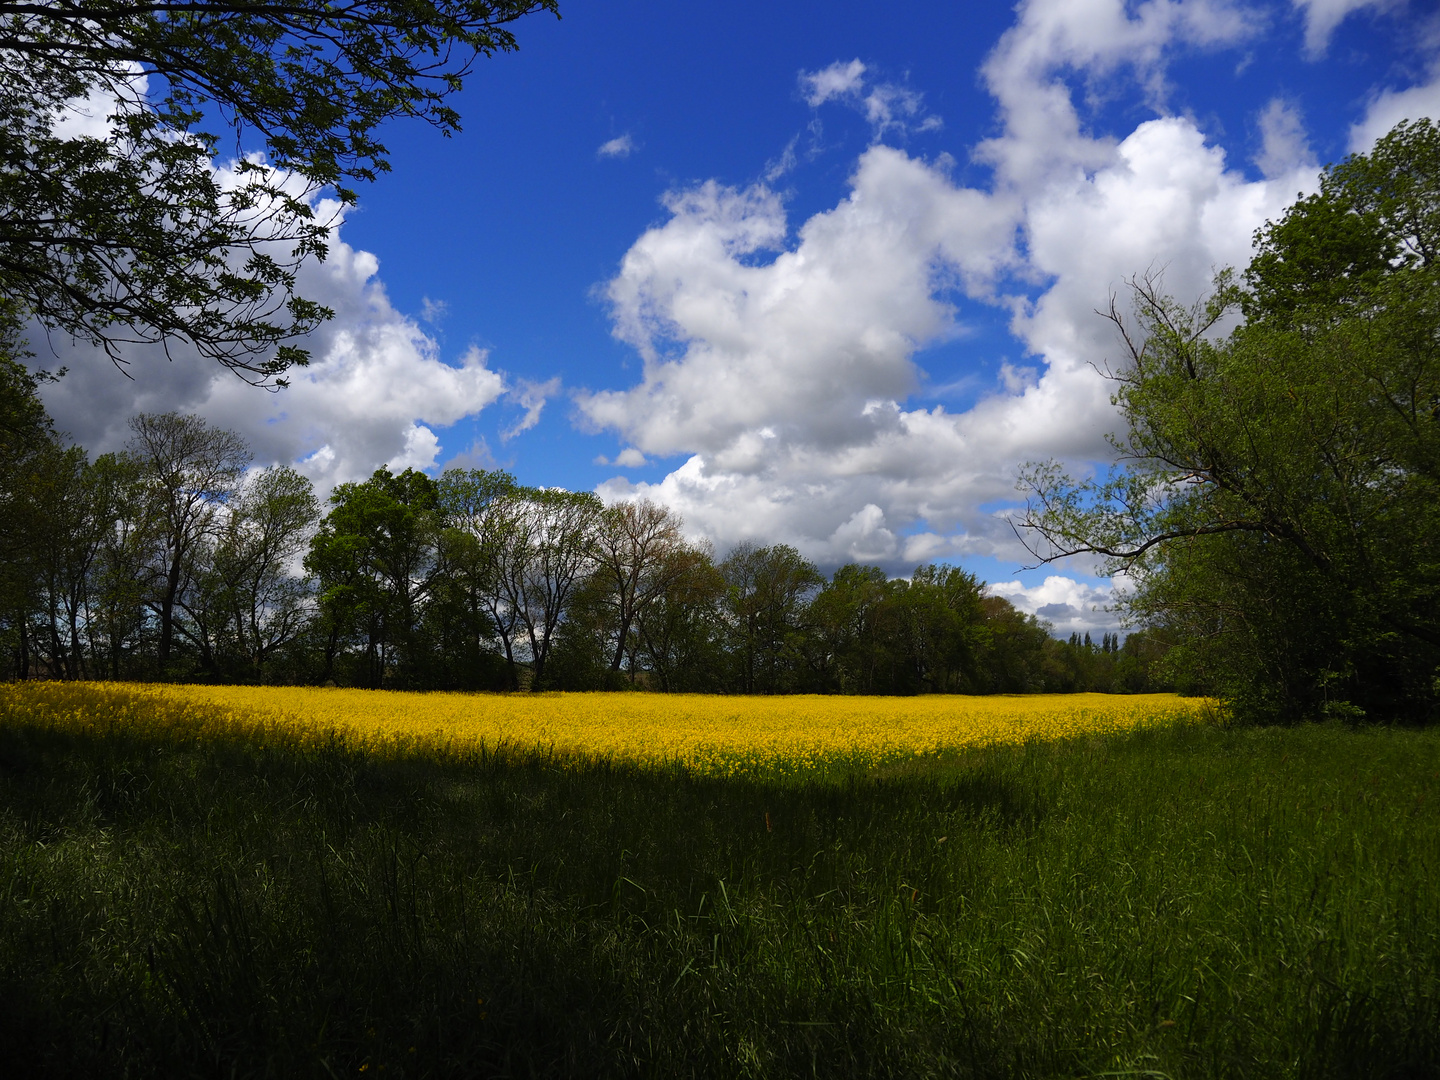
208, 882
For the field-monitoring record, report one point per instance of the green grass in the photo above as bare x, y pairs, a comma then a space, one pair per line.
1180, 902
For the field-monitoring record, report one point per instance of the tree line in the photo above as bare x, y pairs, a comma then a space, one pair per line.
174, 559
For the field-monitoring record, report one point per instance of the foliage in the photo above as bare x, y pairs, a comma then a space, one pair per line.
1280, 489
376, 556
190, 470
131, 234
765, 593
172, 559
27, 444
1186, 902
246, 588
640, 554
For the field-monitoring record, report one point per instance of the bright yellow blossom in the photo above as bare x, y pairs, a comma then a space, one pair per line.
712, 734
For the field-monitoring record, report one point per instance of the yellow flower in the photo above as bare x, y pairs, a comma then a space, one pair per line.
723, 736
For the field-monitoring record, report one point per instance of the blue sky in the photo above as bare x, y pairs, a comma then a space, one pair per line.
814, 273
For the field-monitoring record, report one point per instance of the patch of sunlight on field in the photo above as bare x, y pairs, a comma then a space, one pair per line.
712, 734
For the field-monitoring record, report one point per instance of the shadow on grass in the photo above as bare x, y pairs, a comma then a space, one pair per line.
1177, 902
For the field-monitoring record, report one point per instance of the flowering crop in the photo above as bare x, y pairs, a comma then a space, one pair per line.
712, 734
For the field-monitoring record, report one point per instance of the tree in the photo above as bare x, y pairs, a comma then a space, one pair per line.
635, 553
942, 631
26, 431
1013, 654
376, 556
250, 594
487, 540
116, 616
1279, 491
190, 471
560, 529
853, 619
65, 542
767, 589
27, 443
681, 630
132, 234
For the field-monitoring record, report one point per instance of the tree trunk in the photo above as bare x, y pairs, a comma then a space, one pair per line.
167, 610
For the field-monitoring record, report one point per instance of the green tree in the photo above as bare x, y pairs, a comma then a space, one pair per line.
767, 589
65, 543
560, 529
854, 631
942, 628
484, 538
681, 629
190, 471
1278, 495
27, 442
132, 234
1014, 650
376, 558
636, 546
130, 527
249, 604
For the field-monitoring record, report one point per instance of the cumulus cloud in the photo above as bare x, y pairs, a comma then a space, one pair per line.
782, 373
1043, 137
801, 342
1389, 107
622, 146
782, 360
376, 390
1070, 606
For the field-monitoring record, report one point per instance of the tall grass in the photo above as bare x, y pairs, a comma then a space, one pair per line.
183, 899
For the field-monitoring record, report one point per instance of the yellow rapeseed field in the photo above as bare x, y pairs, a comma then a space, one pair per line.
708, 733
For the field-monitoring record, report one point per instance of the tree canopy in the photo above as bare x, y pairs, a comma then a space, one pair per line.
1276, 495
170, 559
129, 233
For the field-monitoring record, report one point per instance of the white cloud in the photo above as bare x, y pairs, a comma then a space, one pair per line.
476, 456
888, 107
799, 343
629, 458
1016, 380
1323, 16
785, 163
837, 80
90, 116
376, 389
432, 311
1070, 606
784, 380
1099, 39
622, 146
531, 396
1284, 146
780, 365
864, 537
1391, 106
